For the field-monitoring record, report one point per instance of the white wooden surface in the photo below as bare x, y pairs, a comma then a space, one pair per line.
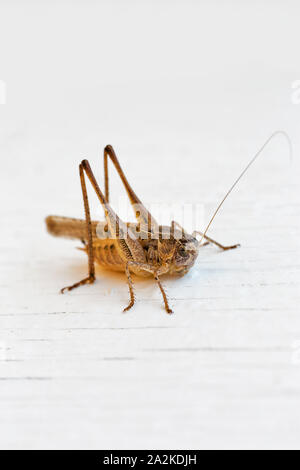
224, 370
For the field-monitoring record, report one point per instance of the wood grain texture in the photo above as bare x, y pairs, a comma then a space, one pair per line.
224, 370
76, 372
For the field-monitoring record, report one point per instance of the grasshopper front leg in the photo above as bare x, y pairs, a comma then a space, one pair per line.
175, 224
210, 240
156, 273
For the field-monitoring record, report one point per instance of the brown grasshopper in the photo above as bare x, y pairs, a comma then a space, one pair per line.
144, 248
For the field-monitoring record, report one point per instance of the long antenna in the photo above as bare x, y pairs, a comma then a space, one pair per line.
244, 171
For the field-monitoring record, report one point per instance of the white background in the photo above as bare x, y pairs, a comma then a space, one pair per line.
186, 92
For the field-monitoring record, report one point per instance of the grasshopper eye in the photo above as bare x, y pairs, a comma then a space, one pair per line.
181, 251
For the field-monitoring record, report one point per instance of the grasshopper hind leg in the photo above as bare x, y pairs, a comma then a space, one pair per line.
90, 279
86, 280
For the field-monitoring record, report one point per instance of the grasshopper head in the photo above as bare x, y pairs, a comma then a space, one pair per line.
185, 254
179, 253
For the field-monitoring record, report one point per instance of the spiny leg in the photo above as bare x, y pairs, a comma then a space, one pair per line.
86, 280
128, 246
91, 277
146, 222
132, 247
168, 310
131, 292
210, 240
155, 272
175, 224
